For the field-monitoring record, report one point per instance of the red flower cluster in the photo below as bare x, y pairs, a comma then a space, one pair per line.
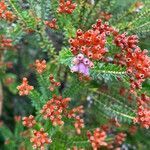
52, 24
143, 116
66, 7
120, 138
29, 121
97, 139
125, 42
5, 42
53, 83
25, 88
39, 139
40, 66
92, 42
4, 13
136, 60
54, 109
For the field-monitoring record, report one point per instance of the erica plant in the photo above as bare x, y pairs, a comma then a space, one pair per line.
74, 74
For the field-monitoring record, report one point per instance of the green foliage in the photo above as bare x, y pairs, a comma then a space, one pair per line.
33, 40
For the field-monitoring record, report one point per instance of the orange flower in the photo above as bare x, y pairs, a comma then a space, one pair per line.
24, 88
54, 109
97, 139
29, 121
40, 66
39, 139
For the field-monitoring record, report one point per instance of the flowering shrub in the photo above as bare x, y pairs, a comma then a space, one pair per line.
71, 80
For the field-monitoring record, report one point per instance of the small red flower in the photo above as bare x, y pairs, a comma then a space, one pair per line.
52, 24
39, 139
66, 7
29, 121
40, 66
24, 88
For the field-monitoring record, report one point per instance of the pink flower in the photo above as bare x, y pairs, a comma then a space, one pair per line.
81, 65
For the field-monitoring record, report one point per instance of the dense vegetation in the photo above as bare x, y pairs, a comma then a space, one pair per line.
74, 74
